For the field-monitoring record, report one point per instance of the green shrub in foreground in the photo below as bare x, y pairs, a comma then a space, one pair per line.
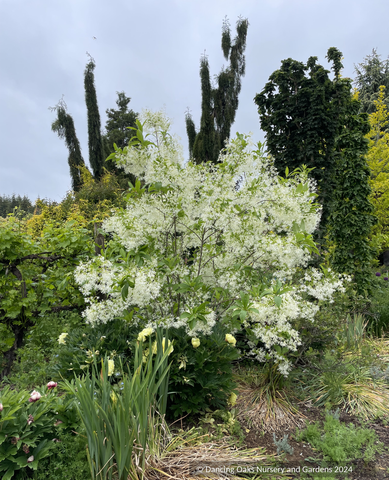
30, 424
39, 355
86, 344
200, 377
67, 461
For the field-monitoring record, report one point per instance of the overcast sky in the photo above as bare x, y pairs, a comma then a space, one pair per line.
151, 50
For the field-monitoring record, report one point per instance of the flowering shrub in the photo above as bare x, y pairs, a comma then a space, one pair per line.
204, 244
85, 345
29, 426
200, 371
62, 338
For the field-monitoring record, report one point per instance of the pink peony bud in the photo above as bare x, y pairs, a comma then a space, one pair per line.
1, 407
34, 397
30, 459
26, 449
51, 385
30, 420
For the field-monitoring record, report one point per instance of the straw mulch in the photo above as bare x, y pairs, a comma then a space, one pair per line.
191, 462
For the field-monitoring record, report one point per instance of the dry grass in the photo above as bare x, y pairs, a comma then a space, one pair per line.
270, 413
186, 463
263, 400
181, 455
367, 399
380, 347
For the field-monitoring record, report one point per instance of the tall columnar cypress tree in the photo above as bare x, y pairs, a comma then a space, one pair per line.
96, 152
218, 105
64, 127
191, 132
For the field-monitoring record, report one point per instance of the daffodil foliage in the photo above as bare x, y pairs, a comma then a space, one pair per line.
200, 244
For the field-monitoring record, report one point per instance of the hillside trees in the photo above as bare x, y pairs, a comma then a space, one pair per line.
8, 204
314, 121
219, 104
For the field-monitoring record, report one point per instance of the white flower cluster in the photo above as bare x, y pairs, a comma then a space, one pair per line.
211, 232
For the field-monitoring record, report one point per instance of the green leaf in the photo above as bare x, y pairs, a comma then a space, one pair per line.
9, 473
125, 291
278, 301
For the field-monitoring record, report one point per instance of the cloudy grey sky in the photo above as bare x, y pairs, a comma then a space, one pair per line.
151, 50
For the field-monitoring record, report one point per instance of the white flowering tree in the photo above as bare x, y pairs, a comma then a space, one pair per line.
200, 244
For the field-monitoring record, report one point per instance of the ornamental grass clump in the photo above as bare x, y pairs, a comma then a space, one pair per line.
263, 400
350, 387
354, 331
202, 244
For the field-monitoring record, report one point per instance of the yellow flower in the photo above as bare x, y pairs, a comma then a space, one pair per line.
232, 399
170, 346
183, 359
144, 334
195, 342
111, 367
230, 339
154, 347
61, 339
114, 397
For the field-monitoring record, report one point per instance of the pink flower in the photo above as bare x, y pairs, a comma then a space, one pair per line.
58, 422
51, 385
30, 421
1, 407
34, 397
30, 459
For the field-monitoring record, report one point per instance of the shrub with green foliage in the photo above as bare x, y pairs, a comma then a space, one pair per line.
30, 425
68, 459
200, 377
379, 321
85, 344
38, 358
